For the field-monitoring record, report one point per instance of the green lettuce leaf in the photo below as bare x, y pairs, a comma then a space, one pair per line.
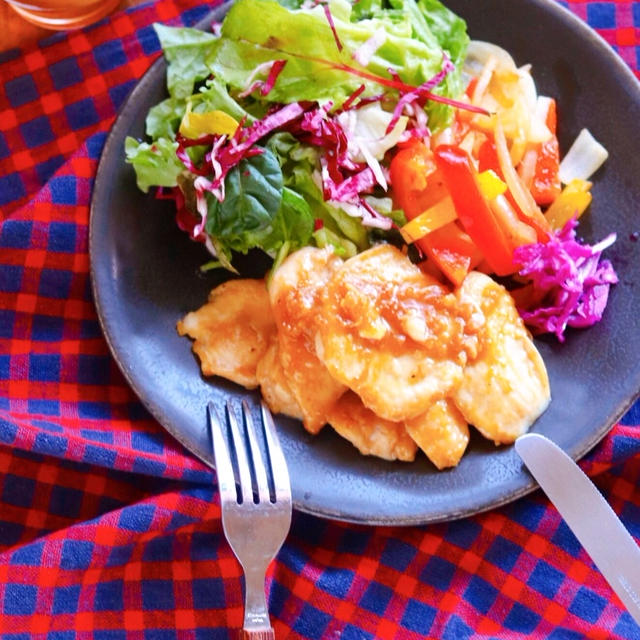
313, 62
155, 164
253, 196
291, 4
437, 26
449, 29
292, 227
298, 162
185, 50
364, 9
342, 247
214, 96
163, 119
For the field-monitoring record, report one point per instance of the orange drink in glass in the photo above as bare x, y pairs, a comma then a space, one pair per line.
63, 14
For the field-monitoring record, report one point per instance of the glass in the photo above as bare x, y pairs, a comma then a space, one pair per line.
63, 14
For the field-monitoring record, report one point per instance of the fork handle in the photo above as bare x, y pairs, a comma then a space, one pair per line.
262, 634
257, 625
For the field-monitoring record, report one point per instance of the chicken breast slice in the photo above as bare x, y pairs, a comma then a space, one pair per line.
295, 291
274, 383
441, 432
370, 434
506, 388
393, 334
232, 331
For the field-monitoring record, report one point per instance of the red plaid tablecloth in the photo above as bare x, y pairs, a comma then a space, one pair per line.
110, 530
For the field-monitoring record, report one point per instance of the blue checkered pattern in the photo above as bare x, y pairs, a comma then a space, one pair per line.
110, 530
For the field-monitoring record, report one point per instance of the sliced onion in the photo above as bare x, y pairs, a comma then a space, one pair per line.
539, 130
444, 136
535, 129
527, 166
479, 52
519, 141
483, 80
503, 88
518, 232
583, 159
543, 104
520, 193
528, 88
374, 165
467, 143
367, 127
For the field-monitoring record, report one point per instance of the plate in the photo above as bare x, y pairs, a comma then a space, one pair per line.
146, 277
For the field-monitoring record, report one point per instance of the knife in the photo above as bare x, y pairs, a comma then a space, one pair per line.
588, 515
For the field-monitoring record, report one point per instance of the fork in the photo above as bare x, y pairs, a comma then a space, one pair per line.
256, 504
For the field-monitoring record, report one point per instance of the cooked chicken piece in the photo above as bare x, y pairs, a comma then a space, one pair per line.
294, 290
441, 432
232, 330
274, 383
393, 334
505, 389
370, 434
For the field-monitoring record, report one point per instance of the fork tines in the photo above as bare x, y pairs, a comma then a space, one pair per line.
245, 473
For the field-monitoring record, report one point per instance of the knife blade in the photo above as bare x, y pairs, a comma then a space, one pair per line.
588, 515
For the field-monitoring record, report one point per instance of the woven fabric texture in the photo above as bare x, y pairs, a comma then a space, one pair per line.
110, 530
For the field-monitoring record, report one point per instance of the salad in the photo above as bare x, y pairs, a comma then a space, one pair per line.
332, 124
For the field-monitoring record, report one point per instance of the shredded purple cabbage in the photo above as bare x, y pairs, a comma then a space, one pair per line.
415, 97
332, 26
272, 69
343, 179
572, 281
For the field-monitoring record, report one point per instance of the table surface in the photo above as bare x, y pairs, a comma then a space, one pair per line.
109, 530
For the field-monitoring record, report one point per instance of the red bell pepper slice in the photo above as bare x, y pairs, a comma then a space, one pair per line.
471, 86
488, 158
473, 211
416, 184
452, 250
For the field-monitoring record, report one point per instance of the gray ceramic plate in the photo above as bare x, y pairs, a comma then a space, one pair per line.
145, 276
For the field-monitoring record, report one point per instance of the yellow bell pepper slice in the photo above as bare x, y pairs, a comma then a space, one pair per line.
433, 218
572, 202
194, 124
491, 186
